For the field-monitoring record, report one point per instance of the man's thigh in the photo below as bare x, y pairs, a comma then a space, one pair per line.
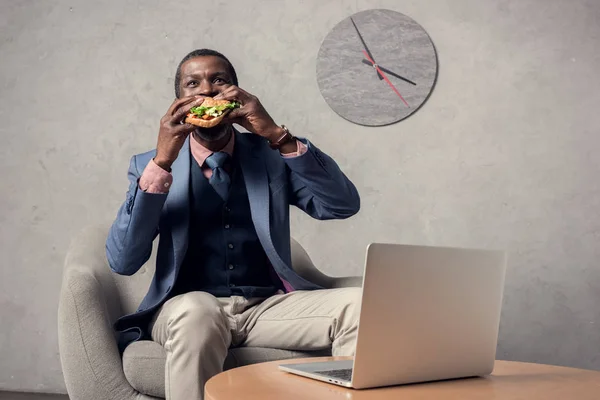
303, 320
190, 313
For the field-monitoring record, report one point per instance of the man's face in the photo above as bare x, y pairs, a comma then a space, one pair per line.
206, 76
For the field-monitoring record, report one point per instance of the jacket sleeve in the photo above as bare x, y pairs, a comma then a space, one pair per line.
129, 242
319, 187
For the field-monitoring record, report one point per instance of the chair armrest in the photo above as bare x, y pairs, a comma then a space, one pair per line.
90, 360
347, 281
303, 266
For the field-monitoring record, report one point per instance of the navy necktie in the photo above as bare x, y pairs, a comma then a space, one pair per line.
219, 180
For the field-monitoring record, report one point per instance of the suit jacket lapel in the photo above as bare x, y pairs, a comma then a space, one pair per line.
256, 178
254, 171
178, 202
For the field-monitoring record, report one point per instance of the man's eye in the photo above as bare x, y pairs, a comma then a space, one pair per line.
192, 83
220, 80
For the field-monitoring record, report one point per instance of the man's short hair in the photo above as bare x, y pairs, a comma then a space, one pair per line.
203, 53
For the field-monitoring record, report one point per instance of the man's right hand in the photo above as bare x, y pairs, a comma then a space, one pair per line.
172, 133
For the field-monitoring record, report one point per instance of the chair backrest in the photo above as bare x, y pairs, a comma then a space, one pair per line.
123, 294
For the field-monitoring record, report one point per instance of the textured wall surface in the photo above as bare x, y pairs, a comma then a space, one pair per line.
503, 155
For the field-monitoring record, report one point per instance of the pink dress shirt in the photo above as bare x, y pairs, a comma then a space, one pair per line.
154, 179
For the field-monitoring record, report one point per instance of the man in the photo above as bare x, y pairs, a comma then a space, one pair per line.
219, 199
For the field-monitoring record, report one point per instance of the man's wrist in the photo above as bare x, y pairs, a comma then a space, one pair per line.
289, 147
166, 165
282, 140
274, 134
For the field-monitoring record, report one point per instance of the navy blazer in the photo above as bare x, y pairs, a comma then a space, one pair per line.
312, 182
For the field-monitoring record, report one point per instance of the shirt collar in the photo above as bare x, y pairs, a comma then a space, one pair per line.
201, 153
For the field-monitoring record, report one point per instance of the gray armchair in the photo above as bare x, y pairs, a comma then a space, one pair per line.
92, 298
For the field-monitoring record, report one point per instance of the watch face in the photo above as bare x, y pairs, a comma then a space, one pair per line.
376, 67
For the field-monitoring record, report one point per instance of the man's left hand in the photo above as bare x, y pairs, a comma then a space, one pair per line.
251, 115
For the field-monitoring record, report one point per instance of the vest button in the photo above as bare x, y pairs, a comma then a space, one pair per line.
230, 246
230, 266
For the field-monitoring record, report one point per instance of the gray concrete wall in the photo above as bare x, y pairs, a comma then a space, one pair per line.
504, 154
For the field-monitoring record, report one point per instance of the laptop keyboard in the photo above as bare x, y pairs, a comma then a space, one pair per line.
343, 374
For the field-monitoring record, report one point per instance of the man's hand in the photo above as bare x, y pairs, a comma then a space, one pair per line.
251, 115
172, 133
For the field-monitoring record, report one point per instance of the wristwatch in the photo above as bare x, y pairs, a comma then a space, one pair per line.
283, 139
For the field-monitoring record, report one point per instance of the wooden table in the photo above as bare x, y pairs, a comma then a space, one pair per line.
510, 380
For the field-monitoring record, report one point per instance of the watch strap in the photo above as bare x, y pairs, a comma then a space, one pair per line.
283, 139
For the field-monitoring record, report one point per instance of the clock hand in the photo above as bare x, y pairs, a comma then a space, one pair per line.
388, 71
364, 45
386, 78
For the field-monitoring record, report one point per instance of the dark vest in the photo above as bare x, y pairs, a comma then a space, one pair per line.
224, 256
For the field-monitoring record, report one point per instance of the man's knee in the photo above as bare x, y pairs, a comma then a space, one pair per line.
197, 318
354, 295
352, 299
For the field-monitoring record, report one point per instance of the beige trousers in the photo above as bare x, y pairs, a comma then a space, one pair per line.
196, 329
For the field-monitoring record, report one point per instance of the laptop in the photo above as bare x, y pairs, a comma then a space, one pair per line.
427, 314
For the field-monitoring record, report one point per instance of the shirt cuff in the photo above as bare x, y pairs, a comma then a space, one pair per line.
301, 149
154, 179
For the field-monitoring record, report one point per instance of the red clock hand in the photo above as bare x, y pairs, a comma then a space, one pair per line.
385, 78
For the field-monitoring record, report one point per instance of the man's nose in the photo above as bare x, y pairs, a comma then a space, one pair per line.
208, 89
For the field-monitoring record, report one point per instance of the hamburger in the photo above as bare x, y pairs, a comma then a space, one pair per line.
210, 113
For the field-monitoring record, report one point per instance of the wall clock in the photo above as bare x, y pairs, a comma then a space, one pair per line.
376, 67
